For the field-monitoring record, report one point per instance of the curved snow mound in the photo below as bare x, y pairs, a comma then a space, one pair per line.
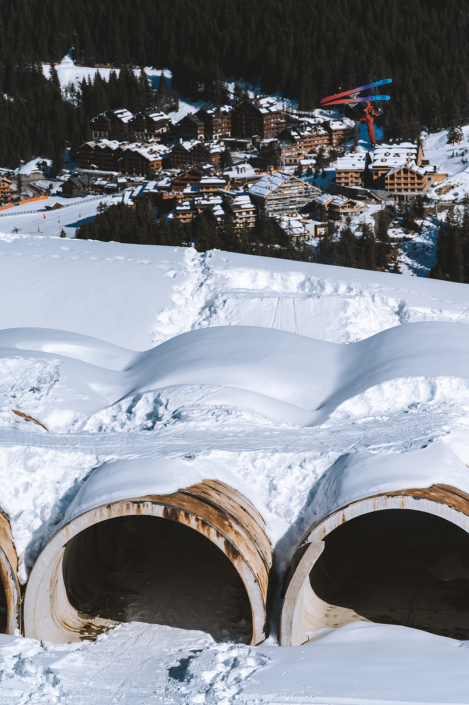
409, 394
232, 371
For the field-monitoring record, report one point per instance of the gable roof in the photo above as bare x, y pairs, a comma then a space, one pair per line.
412, 166
192, 118
269, 183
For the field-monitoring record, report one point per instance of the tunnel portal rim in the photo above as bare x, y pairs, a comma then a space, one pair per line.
9, 575
298, 592
44, 613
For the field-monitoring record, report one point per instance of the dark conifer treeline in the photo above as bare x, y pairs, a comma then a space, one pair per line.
306, 48
139, 226
37, 119
453, 247
372, 249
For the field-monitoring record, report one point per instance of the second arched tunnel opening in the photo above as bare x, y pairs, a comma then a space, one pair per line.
154, 570
398, 567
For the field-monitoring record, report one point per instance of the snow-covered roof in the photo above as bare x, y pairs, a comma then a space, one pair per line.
156, 115
408, 165
340, 201
187, 144
337, 125
212, 180
151, 186
123, 114
242, 199
352, 161
292, 225
112, 144
208, 200
324, 199
152, 151
268, 183
241, 169
388, 155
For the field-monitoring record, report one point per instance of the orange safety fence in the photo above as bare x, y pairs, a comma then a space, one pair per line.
30, 200
2, 208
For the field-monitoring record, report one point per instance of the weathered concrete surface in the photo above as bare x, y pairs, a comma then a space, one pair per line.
211, 508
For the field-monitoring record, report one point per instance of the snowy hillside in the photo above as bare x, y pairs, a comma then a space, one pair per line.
152, 369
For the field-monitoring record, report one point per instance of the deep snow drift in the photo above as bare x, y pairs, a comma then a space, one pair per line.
160, 367
65, 379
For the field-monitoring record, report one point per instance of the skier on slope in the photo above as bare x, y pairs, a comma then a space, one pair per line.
364, 112
359, 109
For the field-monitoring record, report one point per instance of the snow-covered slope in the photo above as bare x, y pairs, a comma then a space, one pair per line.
138, 296
162, 367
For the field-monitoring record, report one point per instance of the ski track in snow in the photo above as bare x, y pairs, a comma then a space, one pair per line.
329, 310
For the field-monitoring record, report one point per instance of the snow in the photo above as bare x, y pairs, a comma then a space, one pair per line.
156, 367
137, 663
33, 167
36, 216
268, 183
451, 160
71, 75
378, 664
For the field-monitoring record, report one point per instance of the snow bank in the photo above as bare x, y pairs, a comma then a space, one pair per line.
364, 663
65, 379
359, 475
356, 664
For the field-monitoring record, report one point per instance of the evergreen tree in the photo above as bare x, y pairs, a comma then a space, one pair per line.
450, 264
163, 94
237, 92
347, 246
366, 248
327, 248
58, 163
383, 241
19, 184
454, 134
226, 158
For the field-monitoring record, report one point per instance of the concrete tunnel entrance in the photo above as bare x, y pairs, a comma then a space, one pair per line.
401, 557
398, 567
150, 569
196, 559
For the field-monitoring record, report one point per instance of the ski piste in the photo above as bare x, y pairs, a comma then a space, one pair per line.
383, 82
369, 98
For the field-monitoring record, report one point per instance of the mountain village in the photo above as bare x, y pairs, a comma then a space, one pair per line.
247, 161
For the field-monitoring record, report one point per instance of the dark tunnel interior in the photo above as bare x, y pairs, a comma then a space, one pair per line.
398, 567
154, 570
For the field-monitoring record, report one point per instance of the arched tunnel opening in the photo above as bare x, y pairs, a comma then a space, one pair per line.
151, 569
398, 566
